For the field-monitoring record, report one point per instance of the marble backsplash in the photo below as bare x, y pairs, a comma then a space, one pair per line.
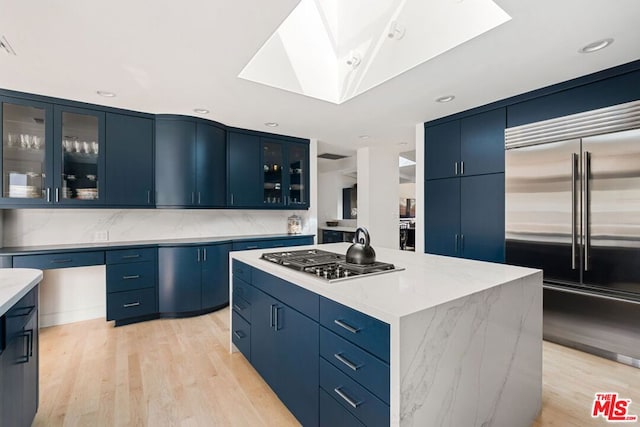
28, 227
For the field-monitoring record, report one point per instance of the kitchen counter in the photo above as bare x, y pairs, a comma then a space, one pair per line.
16, 283
465, 336
72, 247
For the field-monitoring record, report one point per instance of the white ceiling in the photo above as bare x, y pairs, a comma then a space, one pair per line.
171, 57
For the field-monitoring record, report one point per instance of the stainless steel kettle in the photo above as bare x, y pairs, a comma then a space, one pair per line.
361, 252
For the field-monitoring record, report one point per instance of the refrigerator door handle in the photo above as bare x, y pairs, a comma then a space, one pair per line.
586, 168
574, 202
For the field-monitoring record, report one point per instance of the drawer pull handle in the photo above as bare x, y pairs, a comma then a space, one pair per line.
130, 256
238, 307
347, 362
61, 261
137, 276
347, 327
346, 398
252, 247
239, 334
131, 304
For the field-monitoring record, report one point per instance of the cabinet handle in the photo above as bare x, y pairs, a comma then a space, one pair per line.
131, 304
131, 256
48, 194
30, 332
239, 334
277, 319
252, 247
25, 357
462, 167
148, 197
204, 253
198, 254
346, 398
346, 326
455, 168
193, 198
61, 261
237, 307
57, 194
462, 243
271, 316
137, 276
232, 198
347, 362
199, 199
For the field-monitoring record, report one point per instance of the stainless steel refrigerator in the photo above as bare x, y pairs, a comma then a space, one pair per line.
573, 209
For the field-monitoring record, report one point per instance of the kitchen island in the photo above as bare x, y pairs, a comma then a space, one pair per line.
446, 341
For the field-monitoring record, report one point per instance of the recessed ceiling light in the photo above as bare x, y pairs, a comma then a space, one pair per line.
595, 46
271, 124
364, 137
447, 98
106, 93
201, 110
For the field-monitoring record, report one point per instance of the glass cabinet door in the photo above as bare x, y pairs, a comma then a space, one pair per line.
26, 140
273, 165
81, 145
298, 162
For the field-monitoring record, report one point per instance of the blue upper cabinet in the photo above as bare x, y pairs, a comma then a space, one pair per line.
482, 142
129, 150
298, 173
26, 169
244, 171
175, 163
442, 150
274, 173
211, 166
79, 157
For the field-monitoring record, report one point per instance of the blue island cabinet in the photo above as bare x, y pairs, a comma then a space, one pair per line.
19, 363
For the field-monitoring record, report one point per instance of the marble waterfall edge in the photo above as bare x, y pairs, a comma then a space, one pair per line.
474, 361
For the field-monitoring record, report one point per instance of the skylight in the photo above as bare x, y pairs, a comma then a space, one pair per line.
402, 162
335, 50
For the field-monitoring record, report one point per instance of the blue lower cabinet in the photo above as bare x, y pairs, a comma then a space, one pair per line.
19, 363
284, 350
130, 276
332, 236
442, 217
60, 260
215, 276
362, 404
179, 280
333, 414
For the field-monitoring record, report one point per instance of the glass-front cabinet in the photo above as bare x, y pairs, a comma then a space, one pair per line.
27, 148
79, 156
298, 163
273, 173
50, 154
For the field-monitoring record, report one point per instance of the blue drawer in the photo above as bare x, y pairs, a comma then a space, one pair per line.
362, 330
242, 307
242, 289
248, 245
333, 414
294, 296
127, 277
124, 305
360, 365
367, 408
241, 271
131, 255
241, 335
60, 260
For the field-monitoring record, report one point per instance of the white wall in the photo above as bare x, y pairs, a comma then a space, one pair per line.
407, 190
330, 185
378, 195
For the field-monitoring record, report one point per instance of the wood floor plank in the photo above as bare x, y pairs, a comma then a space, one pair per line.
178, 372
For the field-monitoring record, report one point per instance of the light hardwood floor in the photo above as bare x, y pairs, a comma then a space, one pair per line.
179, 373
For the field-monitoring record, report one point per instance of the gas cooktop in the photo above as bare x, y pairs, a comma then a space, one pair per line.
329, 266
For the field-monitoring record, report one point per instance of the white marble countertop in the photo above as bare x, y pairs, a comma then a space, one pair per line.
16, 283
427, 281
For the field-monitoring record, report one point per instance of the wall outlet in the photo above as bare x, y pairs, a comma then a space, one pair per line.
101, 236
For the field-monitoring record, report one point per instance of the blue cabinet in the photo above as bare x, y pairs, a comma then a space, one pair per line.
332, 236
211, 166
482, 142
175, 162
192, 279
442, 150
267, 172
465, 217
129, 167
284, 350
442, 216
19, 363
245, 171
